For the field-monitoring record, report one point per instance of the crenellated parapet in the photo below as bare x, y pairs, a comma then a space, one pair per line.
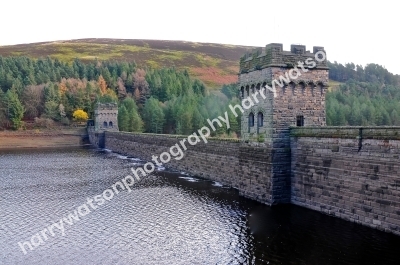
273, 55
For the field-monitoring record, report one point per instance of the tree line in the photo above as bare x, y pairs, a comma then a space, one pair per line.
166, 100
150, 100
370, 95
363, 103
373, 73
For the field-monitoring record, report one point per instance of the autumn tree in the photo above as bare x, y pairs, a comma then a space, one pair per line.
62, 87
109, 97
140, 83
136, 95
80, 115
33, 100
121, 88
102, 85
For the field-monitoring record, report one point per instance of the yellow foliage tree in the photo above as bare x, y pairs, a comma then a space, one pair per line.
80, 115
112, 94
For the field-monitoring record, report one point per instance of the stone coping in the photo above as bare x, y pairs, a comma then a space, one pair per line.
351, 132
176, 136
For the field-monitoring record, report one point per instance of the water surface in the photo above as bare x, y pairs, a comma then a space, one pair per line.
169, 218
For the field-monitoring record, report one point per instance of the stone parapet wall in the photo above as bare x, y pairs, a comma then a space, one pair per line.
349, 172
365, 132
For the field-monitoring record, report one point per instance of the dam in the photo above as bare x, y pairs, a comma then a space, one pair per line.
347, 172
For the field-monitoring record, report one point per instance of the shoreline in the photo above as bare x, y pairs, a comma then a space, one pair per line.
33, 139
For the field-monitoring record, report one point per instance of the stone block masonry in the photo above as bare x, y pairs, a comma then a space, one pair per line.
299, 100
349, 172
241, 166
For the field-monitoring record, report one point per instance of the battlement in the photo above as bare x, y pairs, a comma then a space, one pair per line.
106, 106
273, 55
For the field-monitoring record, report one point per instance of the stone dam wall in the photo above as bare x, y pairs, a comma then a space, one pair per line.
349, 172
246, 168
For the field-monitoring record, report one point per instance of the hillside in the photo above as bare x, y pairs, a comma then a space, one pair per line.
163, 99
214, 64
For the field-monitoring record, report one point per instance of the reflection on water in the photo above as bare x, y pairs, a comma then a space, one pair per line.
169, 218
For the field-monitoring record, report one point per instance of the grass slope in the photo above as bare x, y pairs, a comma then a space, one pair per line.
214, 64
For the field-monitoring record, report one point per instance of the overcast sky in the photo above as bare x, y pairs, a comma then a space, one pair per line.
351, 31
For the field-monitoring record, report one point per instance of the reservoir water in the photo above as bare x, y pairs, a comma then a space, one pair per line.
169, 218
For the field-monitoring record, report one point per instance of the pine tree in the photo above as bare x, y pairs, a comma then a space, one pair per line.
234, 126
3, 108
153, 116
137, 122
220, 130
178, 129
123, 118
106, 76
129, 104
15, 108
198, 120
51, 109
395, 118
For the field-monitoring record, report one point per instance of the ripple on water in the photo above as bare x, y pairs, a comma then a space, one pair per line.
168, 218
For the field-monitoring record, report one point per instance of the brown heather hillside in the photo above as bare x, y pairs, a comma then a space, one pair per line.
214, 64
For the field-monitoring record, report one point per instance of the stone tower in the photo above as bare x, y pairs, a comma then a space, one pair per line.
106, 117
283, 89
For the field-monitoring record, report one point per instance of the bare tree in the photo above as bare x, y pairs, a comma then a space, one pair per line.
121, 89
140, 83
33, 100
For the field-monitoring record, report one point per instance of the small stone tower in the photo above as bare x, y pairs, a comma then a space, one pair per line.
283, 89
106, 117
